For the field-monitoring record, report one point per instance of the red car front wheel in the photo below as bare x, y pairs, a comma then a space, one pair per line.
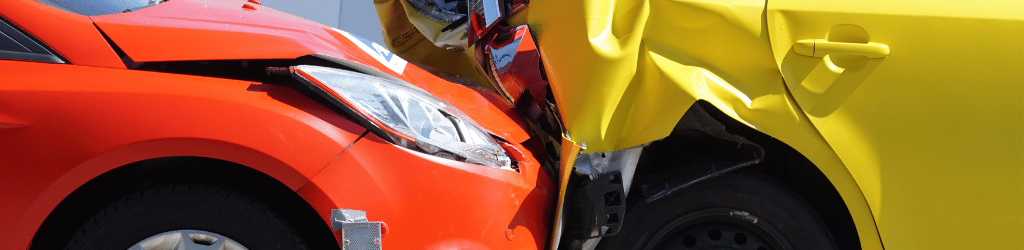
186, 216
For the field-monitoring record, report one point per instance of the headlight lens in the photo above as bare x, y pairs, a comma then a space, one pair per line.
410, 116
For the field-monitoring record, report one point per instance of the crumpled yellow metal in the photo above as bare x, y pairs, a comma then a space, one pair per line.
404, 35
624, 72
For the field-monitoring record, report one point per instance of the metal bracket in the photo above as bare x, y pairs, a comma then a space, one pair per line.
356, 232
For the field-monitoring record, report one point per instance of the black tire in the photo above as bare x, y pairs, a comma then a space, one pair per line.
732, 211
195, 207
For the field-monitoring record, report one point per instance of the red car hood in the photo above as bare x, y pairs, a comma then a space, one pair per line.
191, 30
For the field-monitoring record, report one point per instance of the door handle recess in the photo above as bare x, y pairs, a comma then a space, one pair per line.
822, 47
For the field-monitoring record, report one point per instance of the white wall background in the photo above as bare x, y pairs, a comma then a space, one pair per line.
358, 17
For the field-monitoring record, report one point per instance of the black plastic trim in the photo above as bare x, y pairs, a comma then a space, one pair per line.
38, 51
597, 208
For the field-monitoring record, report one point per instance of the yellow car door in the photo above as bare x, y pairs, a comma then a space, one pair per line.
924, 102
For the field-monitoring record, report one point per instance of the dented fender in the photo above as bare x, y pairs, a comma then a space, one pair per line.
624, 72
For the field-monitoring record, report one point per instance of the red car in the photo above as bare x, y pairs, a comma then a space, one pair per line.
215, 124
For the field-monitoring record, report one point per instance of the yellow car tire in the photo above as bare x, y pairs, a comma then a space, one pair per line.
733, 211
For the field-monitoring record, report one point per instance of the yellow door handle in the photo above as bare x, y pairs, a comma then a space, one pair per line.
822, 47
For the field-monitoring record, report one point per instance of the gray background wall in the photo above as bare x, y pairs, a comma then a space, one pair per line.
358, 17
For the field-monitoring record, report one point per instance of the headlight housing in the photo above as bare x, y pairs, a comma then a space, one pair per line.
406, 115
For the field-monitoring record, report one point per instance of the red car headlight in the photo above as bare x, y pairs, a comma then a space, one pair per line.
410, 116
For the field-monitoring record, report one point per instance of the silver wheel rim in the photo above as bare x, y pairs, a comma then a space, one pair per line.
187, 240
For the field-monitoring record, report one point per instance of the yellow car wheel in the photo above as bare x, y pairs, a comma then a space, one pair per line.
732, 211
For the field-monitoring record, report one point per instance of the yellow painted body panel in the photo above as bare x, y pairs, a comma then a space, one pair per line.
624, 72
934, 131
914, 110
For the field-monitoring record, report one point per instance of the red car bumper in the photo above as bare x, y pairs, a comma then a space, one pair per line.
432, 203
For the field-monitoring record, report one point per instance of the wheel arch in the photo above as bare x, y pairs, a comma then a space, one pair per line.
826, 185
89, 187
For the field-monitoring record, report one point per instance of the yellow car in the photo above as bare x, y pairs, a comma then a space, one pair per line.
784, 124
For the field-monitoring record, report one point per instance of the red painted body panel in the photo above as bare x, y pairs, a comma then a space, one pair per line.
79, 122
214, 30
71, 35
62, 125
220, 30
434, 203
